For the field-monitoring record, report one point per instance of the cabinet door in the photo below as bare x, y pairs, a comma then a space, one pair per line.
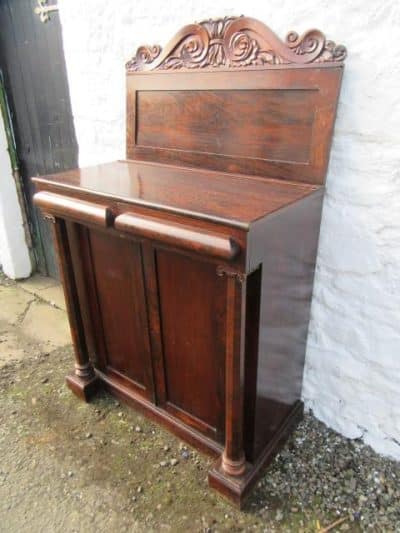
118, 287
192, 301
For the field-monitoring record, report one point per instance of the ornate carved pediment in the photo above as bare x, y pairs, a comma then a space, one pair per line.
235, 42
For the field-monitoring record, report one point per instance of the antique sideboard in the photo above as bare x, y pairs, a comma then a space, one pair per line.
188, 267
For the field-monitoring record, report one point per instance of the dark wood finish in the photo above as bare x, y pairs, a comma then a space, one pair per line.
221, 197
288, 262
77, 237
253, 300
32, 62
237, 488
180, 236
160, 415
117, 268
83, 382
73, 209
233, 458
189, 276
229, 121
298, 149
237, 42
154, 320
192, 309
274, 124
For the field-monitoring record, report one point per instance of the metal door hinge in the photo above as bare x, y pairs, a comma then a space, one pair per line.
43, 10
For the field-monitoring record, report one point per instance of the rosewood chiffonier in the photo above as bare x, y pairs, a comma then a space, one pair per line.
188, 267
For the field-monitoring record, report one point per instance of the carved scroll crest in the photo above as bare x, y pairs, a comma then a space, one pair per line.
235, 42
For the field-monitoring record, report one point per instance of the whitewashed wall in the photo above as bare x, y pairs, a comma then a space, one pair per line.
14, 252
352, 376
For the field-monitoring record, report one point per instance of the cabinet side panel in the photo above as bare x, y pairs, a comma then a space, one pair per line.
289, 240
192, 303
117, 266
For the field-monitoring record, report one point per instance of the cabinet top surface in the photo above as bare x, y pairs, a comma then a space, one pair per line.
233, 198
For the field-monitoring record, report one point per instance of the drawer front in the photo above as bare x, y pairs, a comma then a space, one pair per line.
187, 237
192, 303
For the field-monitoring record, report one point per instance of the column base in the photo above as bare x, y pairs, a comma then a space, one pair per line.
233, 468
236, 488
83, 387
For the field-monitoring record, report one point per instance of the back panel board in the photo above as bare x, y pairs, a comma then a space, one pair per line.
275, 122
268, 125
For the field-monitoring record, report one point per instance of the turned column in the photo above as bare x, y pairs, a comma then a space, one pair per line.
83, 382
233, 458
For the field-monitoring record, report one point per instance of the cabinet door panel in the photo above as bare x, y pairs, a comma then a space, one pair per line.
192, 308
117, 266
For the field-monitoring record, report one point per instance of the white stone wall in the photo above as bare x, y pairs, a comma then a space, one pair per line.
14, 253
352, 375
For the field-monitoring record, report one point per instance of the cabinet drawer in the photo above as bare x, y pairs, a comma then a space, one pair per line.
179, 235
74, 208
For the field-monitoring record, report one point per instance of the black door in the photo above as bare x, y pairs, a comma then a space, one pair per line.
33, 66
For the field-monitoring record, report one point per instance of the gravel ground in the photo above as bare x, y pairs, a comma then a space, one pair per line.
69, 466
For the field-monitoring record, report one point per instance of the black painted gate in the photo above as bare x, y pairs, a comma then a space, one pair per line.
33, 67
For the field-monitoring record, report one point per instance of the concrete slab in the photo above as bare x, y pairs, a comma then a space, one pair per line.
47, 325
10, 348
37, 283
54, 295
13, 303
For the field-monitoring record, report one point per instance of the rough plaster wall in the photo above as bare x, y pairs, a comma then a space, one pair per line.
14, 253
352, 375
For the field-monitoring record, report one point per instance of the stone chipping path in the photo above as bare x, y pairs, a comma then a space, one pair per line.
70, 467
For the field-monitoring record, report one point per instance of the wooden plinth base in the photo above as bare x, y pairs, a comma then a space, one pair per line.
234, 488
149, 409
237, 488
84, 388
